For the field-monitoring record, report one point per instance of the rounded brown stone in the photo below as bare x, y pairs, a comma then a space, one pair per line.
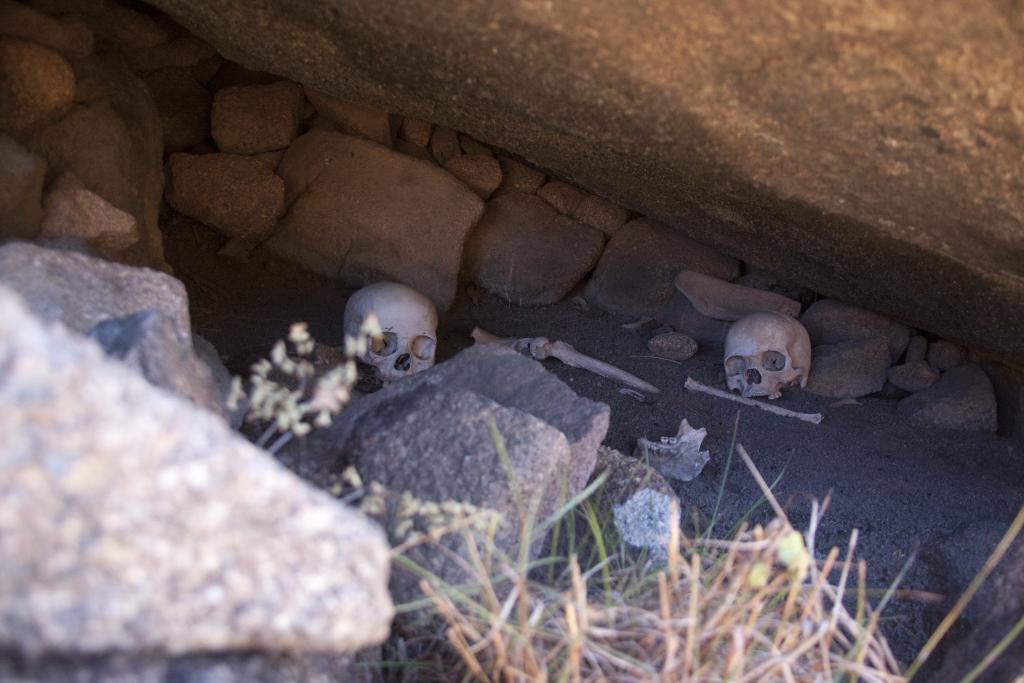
481, 173
37, 85
673, 346
249, 119
234, 194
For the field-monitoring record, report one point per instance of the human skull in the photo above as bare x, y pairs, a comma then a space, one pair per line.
408, 328
765, 352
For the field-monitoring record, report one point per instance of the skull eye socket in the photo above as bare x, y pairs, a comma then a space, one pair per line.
734, 365
422, 347
773, 361
384, 344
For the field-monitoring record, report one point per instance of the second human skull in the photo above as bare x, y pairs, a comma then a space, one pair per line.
765, 352
408, 328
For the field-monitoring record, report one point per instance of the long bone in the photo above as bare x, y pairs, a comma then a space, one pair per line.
541, 348
694, 385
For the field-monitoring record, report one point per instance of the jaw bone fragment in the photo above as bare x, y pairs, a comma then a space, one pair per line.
540, 348
676, 457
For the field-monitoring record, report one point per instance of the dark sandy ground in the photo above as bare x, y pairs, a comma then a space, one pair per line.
915, 494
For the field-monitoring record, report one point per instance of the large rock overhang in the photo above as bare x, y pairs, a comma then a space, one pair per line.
874, 154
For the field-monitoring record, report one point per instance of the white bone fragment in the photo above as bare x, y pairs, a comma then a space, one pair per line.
694, 385
541, 348
676, 457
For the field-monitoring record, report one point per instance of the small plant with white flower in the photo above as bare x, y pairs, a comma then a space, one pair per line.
285, 393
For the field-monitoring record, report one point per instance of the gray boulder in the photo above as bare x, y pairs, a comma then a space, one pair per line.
873, 197
147, 342
133, 521
512, 381
963, 399
436, 444
363, 213
138, 315
81, 291
527, 253
849, 369
833, 322
638, 268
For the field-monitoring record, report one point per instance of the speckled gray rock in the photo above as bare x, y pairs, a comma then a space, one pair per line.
945, 355
832, 322
363, 667
222, 378
443, 440
912, 376
81, 291
510, 380
349, 216
134, 521
640, 263
641, 500
527, 253
963, 399
849, 369
148, 342
1003, 597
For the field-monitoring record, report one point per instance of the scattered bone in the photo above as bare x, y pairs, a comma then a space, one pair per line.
765, 352
722, 300
694, 385
636, 324
673, 346
676, 457
540, 348
408, 328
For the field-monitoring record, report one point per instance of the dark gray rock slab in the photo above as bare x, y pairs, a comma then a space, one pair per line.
850, 369
963, 398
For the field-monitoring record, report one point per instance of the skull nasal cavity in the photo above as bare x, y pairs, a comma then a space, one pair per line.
402, 363
753, 376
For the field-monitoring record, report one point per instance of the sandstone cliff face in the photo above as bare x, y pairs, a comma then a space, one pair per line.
874, 153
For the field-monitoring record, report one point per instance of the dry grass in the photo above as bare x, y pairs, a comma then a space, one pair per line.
755, 607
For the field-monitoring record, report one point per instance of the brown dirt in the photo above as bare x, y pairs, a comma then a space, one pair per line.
905, 488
